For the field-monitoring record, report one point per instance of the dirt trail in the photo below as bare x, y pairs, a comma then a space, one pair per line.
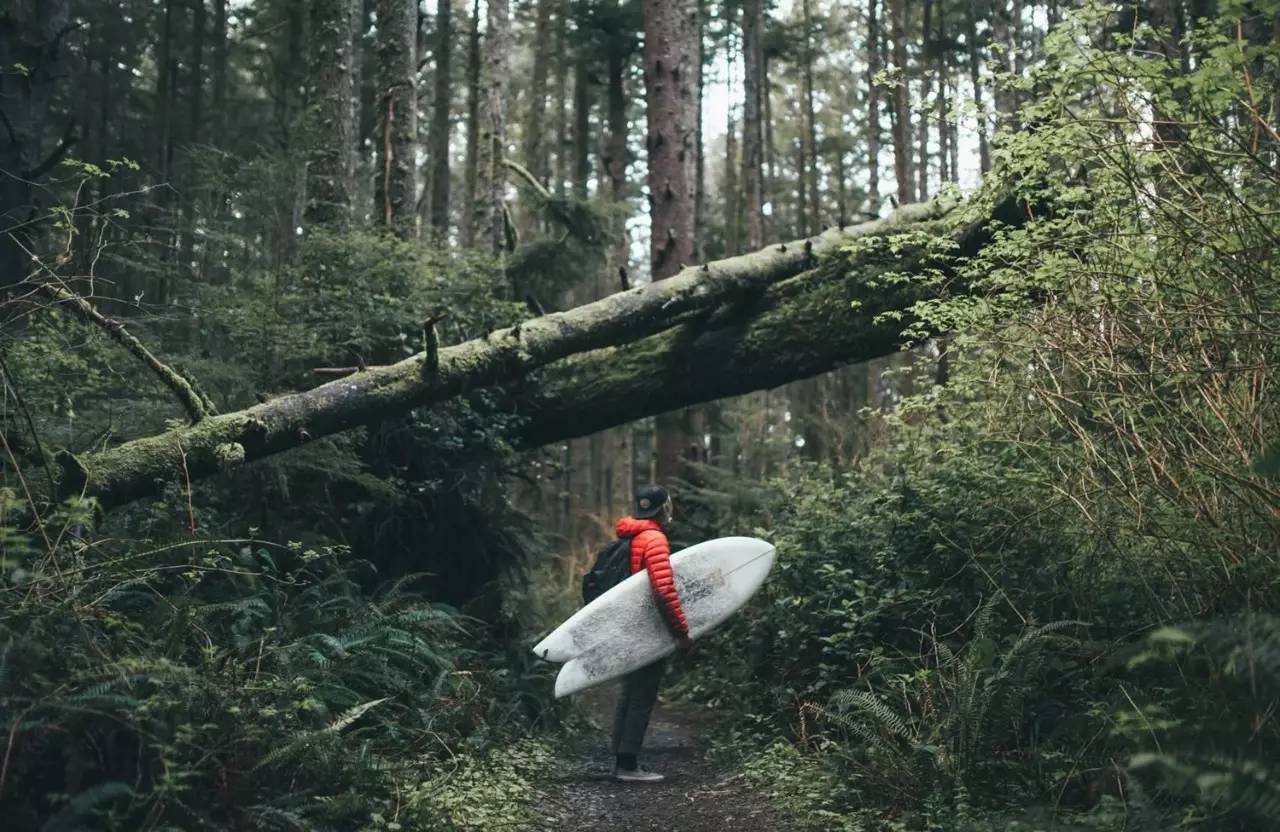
695, 797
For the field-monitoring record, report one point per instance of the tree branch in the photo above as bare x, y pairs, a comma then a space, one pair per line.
197, 407
67, 141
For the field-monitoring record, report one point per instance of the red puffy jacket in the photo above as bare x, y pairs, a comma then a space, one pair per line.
651, 551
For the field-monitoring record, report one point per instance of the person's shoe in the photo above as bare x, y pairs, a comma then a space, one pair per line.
639, 774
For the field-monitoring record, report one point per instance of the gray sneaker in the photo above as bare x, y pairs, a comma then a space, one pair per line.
637, 775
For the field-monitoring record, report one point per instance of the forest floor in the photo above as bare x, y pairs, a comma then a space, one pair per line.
697, 796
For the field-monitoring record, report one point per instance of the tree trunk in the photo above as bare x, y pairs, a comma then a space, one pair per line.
581, 124
975, 77
873, 110
164, 95
732, 204
395, 197
922, 128
218, 133
810, 221
842, 188
471, 178
616, 444
535, 151
330, 126
752, 138
195, 132
943, 64
676, 355
769, 180
901, 104
561, 96
671, 80
614, 160
440, 131
490, 207
700, 163
33, 40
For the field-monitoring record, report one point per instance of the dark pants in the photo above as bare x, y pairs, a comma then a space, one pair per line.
635, 704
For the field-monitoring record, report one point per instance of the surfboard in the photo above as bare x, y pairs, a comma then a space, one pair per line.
623, 630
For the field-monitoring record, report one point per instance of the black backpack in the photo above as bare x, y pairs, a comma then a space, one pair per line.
612, 567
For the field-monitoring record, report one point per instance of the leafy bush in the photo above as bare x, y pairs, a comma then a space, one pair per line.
1099, 454
236, 684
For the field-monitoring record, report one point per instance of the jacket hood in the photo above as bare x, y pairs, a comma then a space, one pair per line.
632, 526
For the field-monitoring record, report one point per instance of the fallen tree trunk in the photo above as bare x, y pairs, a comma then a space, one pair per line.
794, 329
712, 296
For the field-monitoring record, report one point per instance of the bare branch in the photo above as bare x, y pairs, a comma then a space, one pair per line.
196, 406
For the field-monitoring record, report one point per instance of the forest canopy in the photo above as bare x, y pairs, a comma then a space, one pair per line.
336, 334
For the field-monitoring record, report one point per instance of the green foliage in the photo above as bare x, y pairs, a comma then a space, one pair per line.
478, 793
1222, 757
219, 684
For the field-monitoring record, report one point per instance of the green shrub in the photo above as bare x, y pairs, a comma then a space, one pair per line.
220, 684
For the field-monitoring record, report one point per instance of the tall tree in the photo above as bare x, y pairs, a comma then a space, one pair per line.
438, 138
873, 109
218, 133
581, 121
561, 99
901, 104
471, 176
490, 206
753, 84
395, 195
732, 212
535, 149
926, 80
671, 73
808, 215
195, 123
330, 119
32, 39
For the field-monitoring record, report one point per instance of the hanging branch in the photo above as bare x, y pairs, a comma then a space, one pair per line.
196, 405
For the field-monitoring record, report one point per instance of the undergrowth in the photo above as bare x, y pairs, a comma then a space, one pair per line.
246, 685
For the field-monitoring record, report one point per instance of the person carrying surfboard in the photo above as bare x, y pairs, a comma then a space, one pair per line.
650, 551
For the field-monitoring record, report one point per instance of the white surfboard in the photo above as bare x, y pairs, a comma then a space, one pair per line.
623, 630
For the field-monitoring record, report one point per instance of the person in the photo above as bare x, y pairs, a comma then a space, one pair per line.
650, 551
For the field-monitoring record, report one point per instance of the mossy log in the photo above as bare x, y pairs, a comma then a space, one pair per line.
796, 328
748, 315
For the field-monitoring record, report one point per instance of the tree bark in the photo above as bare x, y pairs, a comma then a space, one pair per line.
752, 136
922, 127
614, 159
471, 178
438, 140
873, 110
561, 96
218, 132
490, 207
810, 221
535, 151
901, 109
395, 198
581, 124
689, 339
330, 126
671, 71
732, 206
